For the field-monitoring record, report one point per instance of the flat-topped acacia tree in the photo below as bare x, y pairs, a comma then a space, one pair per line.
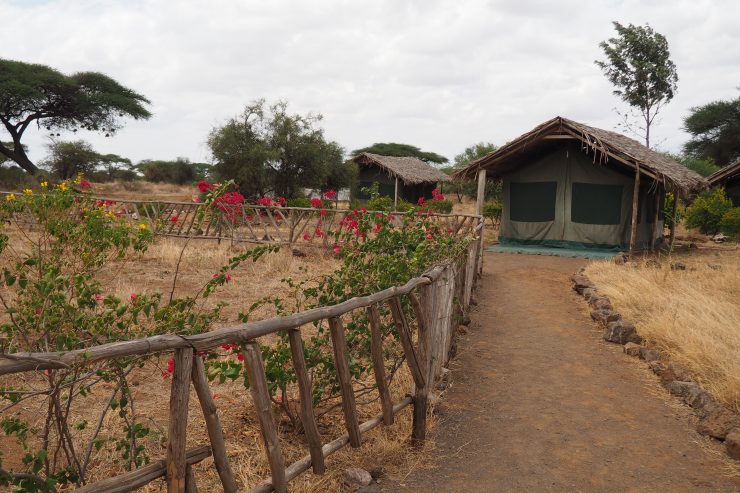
32, 93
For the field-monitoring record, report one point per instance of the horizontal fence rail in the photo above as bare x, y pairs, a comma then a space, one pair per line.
435, 300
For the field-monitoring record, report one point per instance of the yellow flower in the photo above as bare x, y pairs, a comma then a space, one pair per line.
78, 179
28, 191
142, 226
63, 186
10, 197
44, 184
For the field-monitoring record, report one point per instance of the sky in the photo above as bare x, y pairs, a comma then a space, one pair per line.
441, 75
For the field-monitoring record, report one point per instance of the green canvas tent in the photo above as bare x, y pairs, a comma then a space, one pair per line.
728, 177
566, 184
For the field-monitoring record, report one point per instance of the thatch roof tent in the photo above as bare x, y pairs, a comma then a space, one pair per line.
725, 174
409, 170
604, 145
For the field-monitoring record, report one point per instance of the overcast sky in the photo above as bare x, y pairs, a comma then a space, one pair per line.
440, 75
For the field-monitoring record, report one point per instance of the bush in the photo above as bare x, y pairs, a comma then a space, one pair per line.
14, 178
668, 210
730, 223
404, 206
380, 203
443, 206
299, 202
707, 210
492, 211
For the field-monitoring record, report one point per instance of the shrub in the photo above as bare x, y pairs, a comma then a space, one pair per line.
668, 210
492, 211
443, 206
707, 210
730, 223
404, 206
299, 202
380, 203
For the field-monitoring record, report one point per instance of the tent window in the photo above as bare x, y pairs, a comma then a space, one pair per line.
596, 204
532, 202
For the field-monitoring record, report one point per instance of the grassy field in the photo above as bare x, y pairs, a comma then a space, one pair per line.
692, 315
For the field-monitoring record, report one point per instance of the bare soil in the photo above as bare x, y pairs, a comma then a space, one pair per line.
540, 402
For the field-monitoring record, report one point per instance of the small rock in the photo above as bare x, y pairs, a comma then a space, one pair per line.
267, 237
621, 332
605, 316
681, 372
680, 388
649, 354
700, 400
600, 303
620, 258
445, 379
719, 238
732, 443
358, 476
377, 472
589, 293
632, 349
715, 266
462, 330
657, 366
581, 282
298, 253
718, 424
678, 266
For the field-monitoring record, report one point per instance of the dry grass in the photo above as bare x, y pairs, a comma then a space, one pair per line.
144, 190
692, 315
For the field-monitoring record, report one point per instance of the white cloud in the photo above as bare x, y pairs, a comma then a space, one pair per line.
440, 75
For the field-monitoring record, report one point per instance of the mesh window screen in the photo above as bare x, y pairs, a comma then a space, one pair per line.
532, 202
596, 204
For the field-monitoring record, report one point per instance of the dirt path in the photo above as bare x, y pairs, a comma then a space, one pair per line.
540, 403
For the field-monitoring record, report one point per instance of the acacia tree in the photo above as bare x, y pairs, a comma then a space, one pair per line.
266, 149
462, 160
401, 150
31, 93
638, 64
715, 132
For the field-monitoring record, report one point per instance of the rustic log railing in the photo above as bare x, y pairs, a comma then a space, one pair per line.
247, 223
437, 299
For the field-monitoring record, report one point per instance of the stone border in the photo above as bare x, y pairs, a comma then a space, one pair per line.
715, 420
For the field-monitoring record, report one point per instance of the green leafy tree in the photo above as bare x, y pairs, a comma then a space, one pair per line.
266, 149
114, 167
68, 159
638, 64
462, 160
715, 132
180, 171
704, 167
707, 211
37, 94
402, 150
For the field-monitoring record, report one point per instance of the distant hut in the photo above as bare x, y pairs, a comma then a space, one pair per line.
566, 184
406, 178
728, 177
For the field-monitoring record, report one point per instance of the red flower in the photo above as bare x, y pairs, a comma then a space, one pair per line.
228, 346
98, 297
85, 185
228, 277
330, 194
337, 249
240, 356
266, 201
318, 232
203, 186
173, 219
363, 210
281, 201
429, 236
323, 212
170, 368
306, 236
38, 311
134, 296
377, 227
420, 201
317, 203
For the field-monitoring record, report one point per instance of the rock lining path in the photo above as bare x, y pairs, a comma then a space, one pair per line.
540, 403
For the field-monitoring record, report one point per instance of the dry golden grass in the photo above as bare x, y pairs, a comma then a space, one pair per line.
692, 315
144, 190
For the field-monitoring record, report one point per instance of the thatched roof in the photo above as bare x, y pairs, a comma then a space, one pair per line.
409, 170
725, 174
604, 145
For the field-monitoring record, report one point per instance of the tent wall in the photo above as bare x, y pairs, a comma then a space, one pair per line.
563, 198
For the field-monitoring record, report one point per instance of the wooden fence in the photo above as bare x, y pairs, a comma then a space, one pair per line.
250, 223
438, 299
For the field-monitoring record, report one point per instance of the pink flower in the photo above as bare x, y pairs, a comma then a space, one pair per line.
377, 228
306, 236
429, 236
266, 201
330, 194
317, 203
98, 297
420, 201
318, 232
228, 277
203, 186
134, 296
337, 249
85, 185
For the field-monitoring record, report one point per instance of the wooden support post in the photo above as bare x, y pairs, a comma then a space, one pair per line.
213, 425
399, 318
376, 349
308, 417
395, 196
190, 485
263, 405
480, 200
341, 361
179, 397
654, 228
635, 207
674, 214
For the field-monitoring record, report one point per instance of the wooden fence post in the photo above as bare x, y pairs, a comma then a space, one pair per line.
179, 397
341, 362
308, 417
263, 405
376, 349
213, 425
